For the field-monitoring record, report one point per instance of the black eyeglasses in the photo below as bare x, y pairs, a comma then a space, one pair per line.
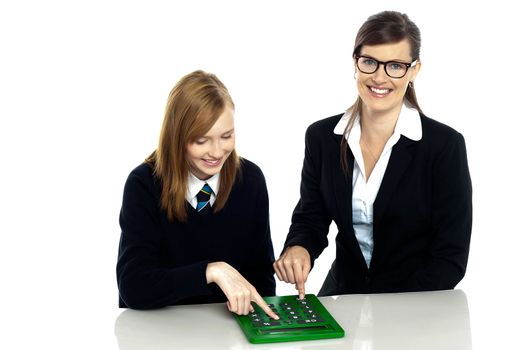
394, 69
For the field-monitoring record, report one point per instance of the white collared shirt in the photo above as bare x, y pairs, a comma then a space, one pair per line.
365, 191
195, 185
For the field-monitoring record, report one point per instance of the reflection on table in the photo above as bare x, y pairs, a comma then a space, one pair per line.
427, 320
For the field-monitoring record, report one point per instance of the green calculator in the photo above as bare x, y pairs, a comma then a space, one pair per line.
299, 319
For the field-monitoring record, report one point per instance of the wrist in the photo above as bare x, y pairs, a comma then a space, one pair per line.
211, 271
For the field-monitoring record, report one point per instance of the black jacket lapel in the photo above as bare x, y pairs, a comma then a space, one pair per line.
400, 159
342, 186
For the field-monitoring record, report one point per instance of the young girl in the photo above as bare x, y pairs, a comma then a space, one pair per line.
194, 217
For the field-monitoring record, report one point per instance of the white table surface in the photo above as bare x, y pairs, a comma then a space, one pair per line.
428, 320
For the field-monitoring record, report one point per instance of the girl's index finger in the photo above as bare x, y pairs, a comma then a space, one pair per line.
264, 306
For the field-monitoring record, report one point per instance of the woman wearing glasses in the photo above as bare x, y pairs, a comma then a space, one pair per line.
194, 215
395, 182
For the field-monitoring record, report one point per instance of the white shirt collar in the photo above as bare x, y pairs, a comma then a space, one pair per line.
195, 185
408, 123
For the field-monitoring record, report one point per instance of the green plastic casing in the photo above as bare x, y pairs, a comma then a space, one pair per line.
289, 330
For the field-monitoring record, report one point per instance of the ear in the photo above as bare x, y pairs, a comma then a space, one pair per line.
415, 70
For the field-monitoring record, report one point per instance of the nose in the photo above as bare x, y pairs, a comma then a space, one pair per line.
380, 76
216, 151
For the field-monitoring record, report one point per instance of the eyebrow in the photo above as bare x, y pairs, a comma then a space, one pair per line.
223, 133
229, 131
392, 60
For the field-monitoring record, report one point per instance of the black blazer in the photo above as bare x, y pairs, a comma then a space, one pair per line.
422, 213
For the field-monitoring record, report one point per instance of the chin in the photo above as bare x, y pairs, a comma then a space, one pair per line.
209, 173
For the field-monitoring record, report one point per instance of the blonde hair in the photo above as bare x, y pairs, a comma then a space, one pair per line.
194, 105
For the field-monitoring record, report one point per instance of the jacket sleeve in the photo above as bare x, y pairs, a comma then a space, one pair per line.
451, 219
310, 219
143, 282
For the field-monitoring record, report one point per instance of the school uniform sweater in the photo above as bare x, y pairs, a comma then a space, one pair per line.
163, 263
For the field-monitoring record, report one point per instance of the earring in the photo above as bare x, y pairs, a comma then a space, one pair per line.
410, 84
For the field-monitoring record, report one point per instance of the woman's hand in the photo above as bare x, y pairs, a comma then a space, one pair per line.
239, 292
293, 266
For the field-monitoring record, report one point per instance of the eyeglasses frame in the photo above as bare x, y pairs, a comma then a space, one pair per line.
407, 65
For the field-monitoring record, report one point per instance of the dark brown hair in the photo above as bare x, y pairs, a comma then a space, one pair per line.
387, 27
194, 105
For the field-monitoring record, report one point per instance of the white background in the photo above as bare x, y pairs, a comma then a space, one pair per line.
83, 86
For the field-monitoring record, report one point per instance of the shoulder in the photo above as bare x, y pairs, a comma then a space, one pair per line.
320, 136
250, 180
437, 130
142, 172
250, 171
141, 178
441, 137
323, 126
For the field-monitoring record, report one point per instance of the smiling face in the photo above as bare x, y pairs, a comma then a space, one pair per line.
207, 154
380, 93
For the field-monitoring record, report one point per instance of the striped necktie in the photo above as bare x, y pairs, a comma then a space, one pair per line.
203, 199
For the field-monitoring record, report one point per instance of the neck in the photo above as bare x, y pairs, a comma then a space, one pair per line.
378, 126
